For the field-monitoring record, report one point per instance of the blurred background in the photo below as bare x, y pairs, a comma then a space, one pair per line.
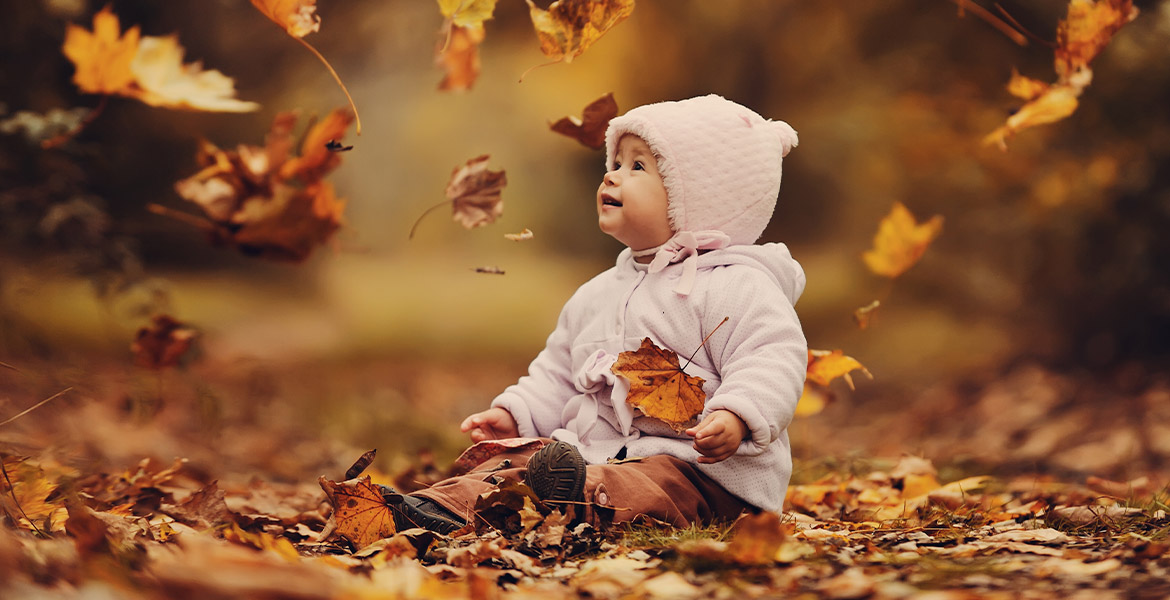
1032, 335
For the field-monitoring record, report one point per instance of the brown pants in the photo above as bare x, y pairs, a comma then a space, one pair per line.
662, 487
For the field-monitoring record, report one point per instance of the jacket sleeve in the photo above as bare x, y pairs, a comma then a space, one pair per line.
760, 353
537, 399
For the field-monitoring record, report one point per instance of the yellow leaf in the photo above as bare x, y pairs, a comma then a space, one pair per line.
1025, 87
360, 515
900, 242
297, 17
812, 401
465, 13
824, 366
659, 387
163, 80
569, 27
1056, 103
103, 57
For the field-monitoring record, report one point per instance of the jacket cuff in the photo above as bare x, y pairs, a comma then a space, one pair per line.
761, 433
520, 413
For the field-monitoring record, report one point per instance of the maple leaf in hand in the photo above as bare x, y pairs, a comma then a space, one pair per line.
474, 195
900, 242
659, 387
360, 514
569, 27
590, 128
162, 344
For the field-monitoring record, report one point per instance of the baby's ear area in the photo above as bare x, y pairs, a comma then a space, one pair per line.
787, 136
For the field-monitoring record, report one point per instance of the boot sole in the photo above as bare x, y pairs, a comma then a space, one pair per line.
557, 472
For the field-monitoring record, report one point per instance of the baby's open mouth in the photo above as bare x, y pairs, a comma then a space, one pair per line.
608, 201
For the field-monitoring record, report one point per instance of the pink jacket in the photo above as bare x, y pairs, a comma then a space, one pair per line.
754, 365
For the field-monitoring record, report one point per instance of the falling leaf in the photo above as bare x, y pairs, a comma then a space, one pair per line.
659, 387
1080, 37
163, 344
464, 13
360, 514
298, 18
102, 57
864, 315
489, 270
459, 57
813, 400
523, 236
590, 128
263, 202
474, 192
824, 366
900, 242
569, 27
147, 68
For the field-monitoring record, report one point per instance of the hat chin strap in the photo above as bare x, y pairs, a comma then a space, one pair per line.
685, 247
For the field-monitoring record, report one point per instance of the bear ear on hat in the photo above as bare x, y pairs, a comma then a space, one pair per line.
787, 136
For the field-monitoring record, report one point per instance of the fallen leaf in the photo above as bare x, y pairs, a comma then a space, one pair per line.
865, 314
474, 192
569, 27
659, 387
360, 514
590, 128
826, 365
163, 344
757, 538
360, 464
523, 236
459, 57
481, 451
900, 242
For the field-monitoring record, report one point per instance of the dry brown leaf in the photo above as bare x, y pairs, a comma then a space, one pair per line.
163, 344
360, 514
290, 224
474, 192
659, 387
569, 27
459, 57
590, 128
757, 538
900, 242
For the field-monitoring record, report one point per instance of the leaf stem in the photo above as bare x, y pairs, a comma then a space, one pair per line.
992, 20
8, 366
337, 78
704, 342
35, 406
61, 138
179, 215
425, 213
15, 500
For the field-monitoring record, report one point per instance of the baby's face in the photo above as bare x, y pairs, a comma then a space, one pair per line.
631, 201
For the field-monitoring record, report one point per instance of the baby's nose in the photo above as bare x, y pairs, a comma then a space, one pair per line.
611, 177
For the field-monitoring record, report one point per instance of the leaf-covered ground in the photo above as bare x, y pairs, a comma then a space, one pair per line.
188, 485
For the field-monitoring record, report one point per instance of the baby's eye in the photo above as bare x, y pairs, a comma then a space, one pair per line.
616, 166
638, 166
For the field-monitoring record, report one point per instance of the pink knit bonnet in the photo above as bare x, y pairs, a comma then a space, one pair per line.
720, 163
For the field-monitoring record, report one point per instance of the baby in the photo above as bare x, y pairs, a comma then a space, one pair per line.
689, 187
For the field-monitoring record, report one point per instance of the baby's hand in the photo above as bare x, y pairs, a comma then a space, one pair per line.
491, 424
718, 436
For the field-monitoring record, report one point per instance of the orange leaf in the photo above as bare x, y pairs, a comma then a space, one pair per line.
824, 366
474, 192
900, 242
590, 128
289, 224
360, 515
316, 159
812, 401
659, 387
460, 57
1087, 29
569, 27
103, 57
163, 344
297, 17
